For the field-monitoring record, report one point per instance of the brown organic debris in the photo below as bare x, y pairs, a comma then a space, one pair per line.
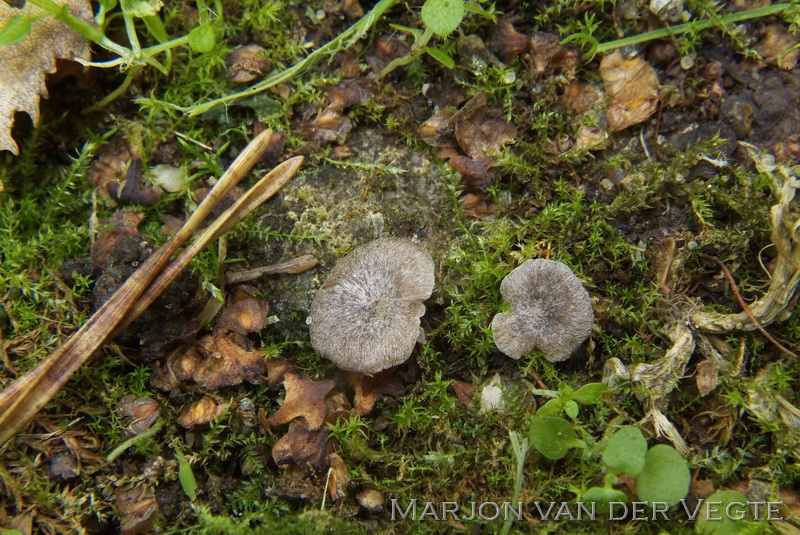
438, 130
23, 399
305, 399
219, 361
137, 508
779, 46
139, 412
338, 478
481, 129
371, 500
122, 223
632, 85
368, 389
132, 189
247, 63
507, 42
293, 266
305, 448
330, 124
548, 56
244, 315
201, 412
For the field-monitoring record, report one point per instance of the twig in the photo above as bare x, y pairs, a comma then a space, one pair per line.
293, 266
744, 306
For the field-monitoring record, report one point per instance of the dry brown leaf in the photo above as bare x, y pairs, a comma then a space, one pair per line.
304, 398
707, 376
24, 64
776, 42
464, 392
632, 85
482, 129
549, 56
226, 363
245, 315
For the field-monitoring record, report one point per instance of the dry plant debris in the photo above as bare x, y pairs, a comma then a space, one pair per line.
304, 399
201, 412
632, 85
25, 64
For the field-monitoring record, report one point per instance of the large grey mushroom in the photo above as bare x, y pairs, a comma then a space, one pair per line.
550, 310
365, 318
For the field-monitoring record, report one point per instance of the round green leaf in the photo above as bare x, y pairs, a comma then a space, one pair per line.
665, 477
626, 451
15, 30
553, 437
202, 38
602, 498
730, 517
442, 17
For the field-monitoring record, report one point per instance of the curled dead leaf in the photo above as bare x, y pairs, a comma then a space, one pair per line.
549, 56
140, 412
632, 85
305, 448
245, 315
25, 63
368, 389
482, 129
137, 508
338, 478
305, 398
507, 42
779, 46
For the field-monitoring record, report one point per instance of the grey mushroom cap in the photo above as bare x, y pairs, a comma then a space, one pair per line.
550, 310
365, 318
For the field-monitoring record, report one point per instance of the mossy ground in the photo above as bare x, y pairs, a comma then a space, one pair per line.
425, 445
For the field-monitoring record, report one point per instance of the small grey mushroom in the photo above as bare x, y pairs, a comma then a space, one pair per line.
365, 318
550, 310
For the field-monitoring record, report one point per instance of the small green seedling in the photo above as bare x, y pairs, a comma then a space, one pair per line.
186, 476
553, 436
662, 474
566, 400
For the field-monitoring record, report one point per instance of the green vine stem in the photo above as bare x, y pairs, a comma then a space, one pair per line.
688, 27
344, 40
